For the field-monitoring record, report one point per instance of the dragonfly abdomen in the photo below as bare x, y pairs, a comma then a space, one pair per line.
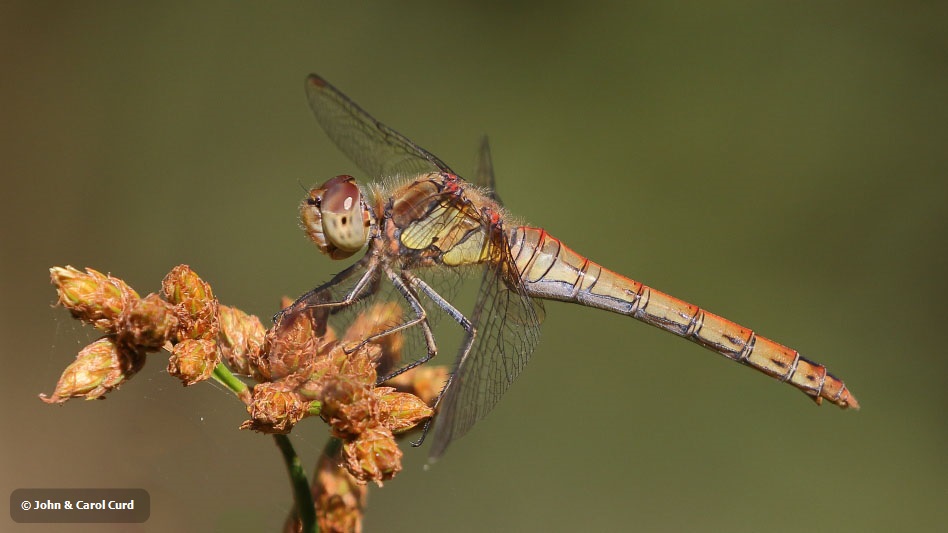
551, 270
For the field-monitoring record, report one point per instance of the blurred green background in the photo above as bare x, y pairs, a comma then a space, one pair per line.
781, 165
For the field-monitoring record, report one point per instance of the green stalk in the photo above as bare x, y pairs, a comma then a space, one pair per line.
305, 507
223, 376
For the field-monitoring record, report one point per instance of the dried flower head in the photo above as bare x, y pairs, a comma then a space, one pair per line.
195, 305
99, 368
148, 323
290, 346
425, 382
341, 377
400, 411
193, 360
301, 368
241, 337
373, 455
93, 297
276, 408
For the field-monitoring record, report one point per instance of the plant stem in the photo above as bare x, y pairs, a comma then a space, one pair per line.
305, 507
223, 376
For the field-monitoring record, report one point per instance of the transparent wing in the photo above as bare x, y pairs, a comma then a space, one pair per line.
484, 170
507, 321
376, 148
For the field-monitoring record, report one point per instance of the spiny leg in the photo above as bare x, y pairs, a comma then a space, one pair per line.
470, 334
358, 292
421, 318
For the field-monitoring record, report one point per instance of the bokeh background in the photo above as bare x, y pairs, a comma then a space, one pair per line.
781, 165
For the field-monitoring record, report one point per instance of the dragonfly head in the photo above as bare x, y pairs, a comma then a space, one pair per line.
336, 218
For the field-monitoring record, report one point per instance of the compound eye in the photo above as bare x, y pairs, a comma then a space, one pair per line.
341, 210
340, 194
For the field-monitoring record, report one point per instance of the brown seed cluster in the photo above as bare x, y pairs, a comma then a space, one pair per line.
301, 366
133, 326
341, 376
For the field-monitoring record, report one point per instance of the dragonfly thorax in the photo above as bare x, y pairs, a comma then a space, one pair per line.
336, 218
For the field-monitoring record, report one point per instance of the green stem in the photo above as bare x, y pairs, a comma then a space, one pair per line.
305, 507
224, 377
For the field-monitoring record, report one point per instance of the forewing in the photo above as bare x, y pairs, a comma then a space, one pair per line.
376, 148
507, 321
484, 170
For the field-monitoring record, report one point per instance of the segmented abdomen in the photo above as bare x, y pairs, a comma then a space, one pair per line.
549, 269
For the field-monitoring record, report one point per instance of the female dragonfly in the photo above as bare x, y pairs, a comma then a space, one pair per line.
427, 217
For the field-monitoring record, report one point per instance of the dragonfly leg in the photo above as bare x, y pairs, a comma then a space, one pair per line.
445, 306
470, 334
394, 329
465, 349
318, 297
421, 318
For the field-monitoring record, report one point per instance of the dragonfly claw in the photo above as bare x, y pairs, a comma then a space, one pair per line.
424, 433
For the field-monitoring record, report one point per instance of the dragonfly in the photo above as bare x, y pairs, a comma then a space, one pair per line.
420, 215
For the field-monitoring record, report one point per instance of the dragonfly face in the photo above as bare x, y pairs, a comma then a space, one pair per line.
336, 217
